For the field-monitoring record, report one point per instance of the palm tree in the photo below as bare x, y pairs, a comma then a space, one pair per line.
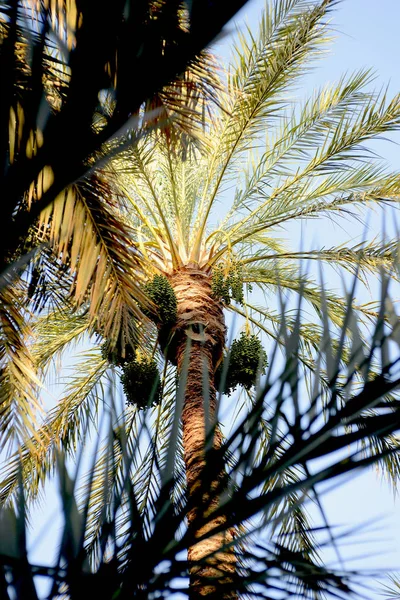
190, 265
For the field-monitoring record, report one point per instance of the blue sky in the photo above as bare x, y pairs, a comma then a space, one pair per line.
366, 36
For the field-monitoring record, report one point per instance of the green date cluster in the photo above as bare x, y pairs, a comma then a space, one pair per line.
141, 383
140, 376
228, 286
161, 292
246, 360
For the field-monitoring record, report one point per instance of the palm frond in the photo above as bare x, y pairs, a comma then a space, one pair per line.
19, 383
291, 278
290, 33
55, 332
294, 139
340, 170
362, 259
63, 427
97, 248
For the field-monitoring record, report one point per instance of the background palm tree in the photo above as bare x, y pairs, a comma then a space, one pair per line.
192, 264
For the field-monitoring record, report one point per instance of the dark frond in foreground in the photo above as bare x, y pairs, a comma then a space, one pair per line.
75, 74
284, 447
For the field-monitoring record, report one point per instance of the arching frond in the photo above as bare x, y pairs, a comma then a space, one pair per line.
369, 257
97, 247
19, 383
290, 278
323, 138
290, 32
65, 425
55, 332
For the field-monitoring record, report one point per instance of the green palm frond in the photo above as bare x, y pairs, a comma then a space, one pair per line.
57, 331
290, 278
381, 193
19, 383
362, 258
64, 427
336, 121
290, 32
297, 134
97, 248
325, 174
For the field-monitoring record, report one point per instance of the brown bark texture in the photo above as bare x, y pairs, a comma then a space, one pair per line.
200, 331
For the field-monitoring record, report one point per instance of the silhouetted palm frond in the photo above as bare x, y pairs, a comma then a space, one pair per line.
73, 75
141, 540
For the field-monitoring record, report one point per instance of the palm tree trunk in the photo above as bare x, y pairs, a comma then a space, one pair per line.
201, 320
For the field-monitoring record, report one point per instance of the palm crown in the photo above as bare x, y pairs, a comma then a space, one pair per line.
161, 214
